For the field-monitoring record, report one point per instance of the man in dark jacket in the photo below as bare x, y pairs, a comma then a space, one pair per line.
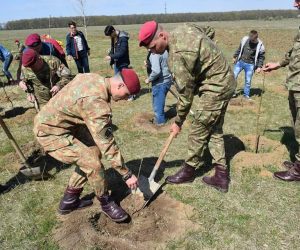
249, 57
77, 48
119, 52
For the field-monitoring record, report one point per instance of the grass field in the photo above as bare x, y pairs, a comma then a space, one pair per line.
258, 212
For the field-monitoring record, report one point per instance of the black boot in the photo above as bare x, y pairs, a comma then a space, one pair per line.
288, 164
111, 209
71, 201
220, 180
293, 174
186, 174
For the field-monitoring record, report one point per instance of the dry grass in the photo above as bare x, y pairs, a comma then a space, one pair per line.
257, 213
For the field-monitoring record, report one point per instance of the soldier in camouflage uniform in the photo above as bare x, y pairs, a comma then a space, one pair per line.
43, 76
199, 69
293, 85
74, 127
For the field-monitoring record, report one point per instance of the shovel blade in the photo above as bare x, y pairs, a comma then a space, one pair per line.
148, 187
35, 173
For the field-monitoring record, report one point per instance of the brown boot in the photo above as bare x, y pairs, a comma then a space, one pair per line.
220, 180
71, 201
186, 174
111, 209
288, 164
293, 174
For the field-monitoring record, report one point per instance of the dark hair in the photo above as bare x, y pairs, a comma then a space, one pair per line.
72, 23
109, 30
253, 32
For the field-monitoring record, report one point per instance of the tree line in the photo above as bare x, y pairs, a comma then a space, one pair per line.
60, 22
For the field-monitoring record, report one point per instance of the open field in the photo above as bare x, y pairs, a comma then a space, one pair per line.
258, 212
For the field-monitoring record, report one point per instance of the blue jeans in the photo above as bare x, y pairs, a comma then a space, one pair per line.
82, 62
118, 69
249, 70
159, 93
6, 64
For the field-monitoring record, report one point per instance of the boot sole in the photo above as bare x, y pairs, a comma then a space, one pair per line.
277, 178
174, 183
217, 188
64, 212
116, 220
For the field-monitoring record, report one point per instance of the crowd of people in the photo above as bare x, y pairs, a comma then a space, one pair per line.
187, 57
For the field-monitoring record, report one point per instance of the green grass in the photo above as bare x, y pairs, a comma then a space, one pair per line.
257, 213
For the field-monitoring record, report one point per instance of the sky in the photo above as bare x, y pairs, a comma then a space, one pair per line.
23, 9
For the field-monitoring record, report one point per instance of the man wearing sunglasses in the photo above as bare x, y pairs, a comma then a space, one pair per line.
199, 69
293, 85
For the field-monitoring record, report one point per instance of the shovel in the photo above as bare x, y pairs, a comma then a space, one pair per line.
30, 172
147, 185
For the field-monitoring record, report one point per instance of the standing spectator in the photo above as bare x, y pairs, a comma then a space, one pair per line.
77, 48
249, 57
33, 41
161, 80
119, 51
6, 57
20, 49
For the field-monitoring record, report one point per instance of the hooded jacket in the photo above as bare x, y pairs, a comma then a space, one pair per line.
119, 52
259, 55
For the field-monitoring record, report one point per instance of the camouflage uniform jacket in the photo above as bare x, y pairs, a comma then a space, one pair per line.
292, 59
199, 68
84, 101
40, 83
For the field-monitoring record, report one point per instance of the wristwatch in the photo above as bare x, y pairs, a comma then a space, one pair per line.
127, 176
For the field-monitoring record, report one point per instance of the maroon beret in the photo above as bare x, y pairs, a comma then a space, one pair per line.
147, 32
29, 57
131, 80
33, 40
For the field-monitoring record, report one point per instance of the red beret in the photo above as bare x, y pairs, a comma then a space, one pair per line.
131, 80
147, 32
29, 57
32, 40
16, 41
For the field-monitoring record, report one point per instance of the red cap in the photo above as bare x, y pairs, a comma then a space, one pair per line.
33, 40
147, 32
131, 80
16, 41
29, 57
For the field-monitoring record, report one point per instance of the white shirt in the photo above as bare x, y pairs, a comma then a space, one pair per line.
78, 41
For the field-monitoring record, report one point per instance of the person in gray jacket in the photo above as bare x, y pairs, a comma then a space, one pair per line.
161, 80
249, 57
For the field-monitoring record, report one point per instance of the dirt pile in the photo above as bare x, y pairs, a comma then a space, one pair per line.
270, 152
240, 103
165, 219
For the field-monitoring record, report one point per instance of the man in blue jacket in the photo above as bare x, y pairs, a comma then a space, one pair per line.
249, 57
77, 48
119, 52
6, 57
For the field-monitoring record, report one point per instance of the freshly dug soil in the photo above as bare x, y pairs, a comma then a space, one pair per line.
151, 228
239, 103
270, 152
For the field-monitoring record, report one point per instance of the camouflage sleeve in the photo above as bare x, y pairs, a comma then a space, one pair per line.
286, 60
182, 66
27, 77
97, 115
64, 75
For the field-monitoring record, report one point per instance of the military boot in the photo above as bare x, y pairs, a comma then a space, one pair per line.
288, 164
220, 180
293, 174
71, 201
186, 174
111, 209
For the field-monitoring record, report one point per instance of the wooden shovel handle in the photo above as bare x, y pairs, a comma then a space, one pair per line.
12, 141
161, 156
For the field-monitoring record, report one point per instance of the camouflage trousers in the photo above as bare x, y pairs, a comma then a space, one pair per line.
207, 132
294, 103
81, 153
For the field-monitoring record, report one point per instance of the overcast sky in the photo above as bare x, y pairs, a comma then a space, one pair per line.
20, 9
